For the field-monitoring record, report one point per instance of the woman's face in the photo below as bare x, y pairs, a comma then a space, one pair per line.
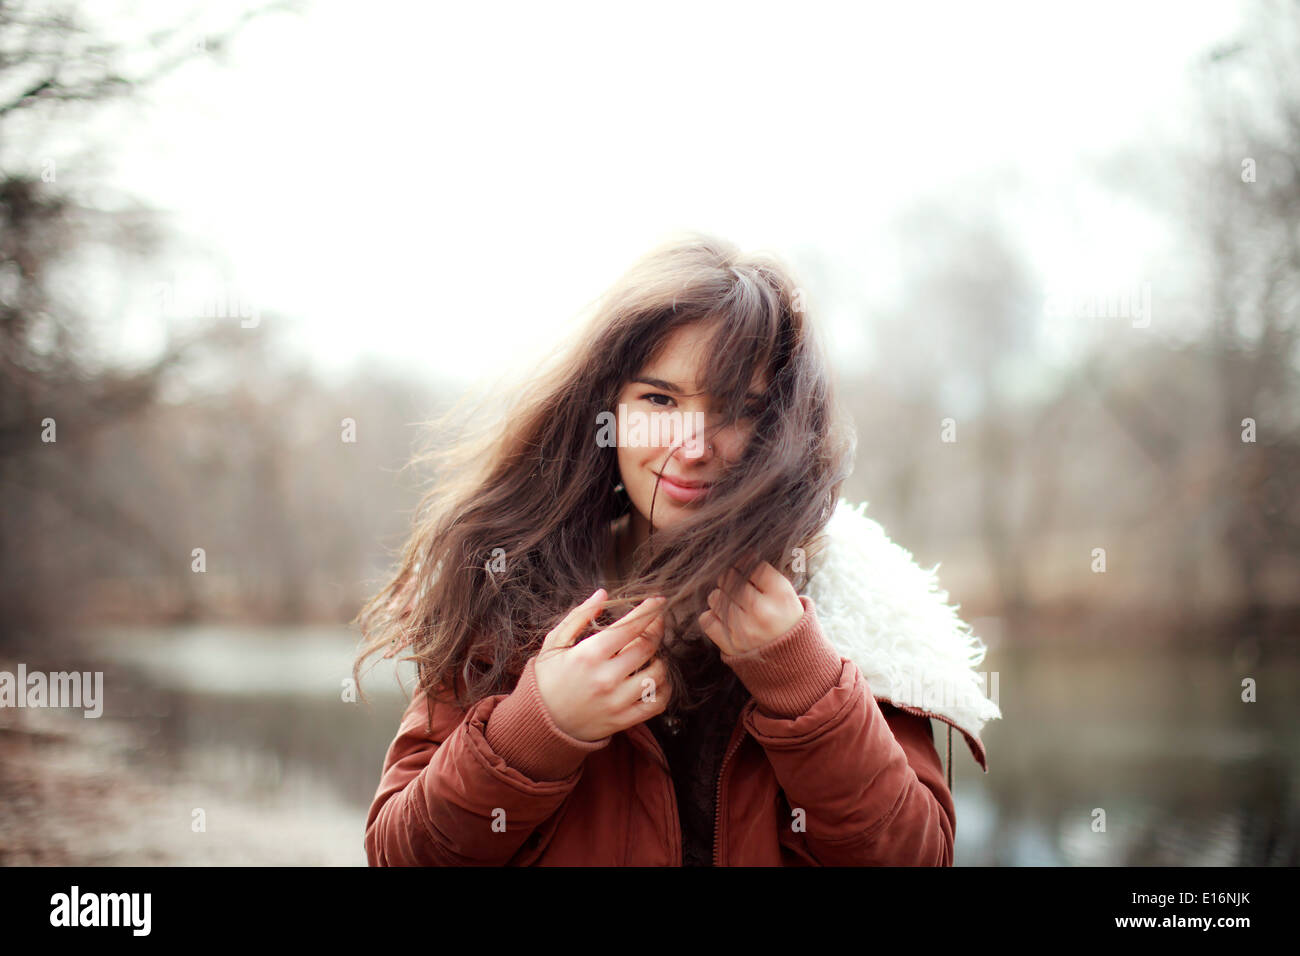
670, 434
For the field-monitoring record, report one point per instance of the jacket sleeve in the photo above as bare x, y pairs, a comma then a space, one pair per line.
869, 780
472, 789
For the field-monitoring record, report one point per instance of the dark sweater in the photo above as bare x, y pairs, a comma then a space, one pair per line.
695, 749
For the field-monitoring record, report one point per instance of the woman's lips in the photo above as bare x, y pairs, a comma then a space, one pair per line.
681, 493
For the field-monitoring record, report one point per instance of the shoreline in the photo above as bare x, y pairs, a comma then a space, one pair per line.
82, 791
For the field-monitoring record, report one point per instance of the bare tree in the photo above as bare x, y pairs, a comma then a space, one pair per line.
50, 61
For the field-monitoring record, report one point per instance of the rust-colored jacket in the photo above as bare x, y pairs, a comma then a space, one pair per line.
820, 770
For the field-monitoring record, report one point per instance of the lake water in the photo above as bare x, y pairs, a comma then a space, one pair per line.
251, 725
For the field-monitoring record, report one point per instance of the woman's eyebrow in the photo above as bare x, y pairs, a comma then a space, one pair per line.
658, 383
670, 387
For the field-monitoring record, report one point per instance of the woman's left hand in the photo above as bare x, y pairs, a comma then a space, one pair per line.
745, 615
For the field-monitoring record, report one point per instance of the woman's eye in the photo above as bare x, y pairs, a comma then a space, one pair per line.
654, 395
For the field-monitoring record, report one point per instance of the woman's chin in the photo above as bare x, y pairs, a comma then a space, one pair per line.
668, 513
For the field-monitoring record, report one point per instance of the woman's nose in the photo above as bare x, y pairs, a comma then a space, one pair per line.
698, 438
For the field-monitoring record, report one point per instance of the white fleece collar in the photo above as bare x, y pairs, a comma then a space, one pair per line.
889, 616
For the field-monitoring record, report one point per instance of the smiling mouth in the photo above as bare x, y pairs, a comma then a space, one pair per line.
689, 485
681, 493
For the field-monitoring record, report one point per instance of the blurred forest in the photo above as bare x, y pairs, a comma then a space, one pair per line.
228, 442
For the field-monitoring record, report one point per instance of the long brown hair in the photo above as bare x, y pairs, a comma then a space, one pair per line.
517, 526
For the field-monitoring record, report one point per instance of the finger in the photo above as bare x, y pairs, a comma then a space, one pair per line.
606, 643
633, 658
654, 631
648, 688
642, 647
721, 607
742, 589
713, 627
740, 593
567, 631
641, 711
748, 559
766, 578
641, 608
634, 655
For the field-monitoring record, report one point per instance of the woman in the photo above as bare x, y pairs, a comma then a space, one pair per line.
611, 600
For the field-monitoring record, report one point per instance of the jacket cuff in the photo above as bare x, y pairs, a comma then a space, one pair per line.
522, 732
792, 673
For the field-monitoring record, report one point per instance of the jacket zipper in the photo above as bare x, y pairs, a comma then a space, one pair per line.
736, 737
732, 746
652, 744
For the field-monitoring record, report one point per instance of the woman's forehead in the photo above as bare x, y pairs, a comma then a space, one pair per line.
683, 358
685, 384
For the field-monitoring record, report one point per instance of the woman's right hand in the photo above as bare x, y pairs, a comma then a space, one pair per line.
595, 688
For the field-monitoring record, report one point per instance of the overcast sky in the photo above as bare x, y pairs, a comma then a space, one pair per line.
446, 186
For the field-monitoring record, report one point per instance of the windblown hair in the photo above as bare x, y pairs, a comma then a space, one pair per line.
517, 527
